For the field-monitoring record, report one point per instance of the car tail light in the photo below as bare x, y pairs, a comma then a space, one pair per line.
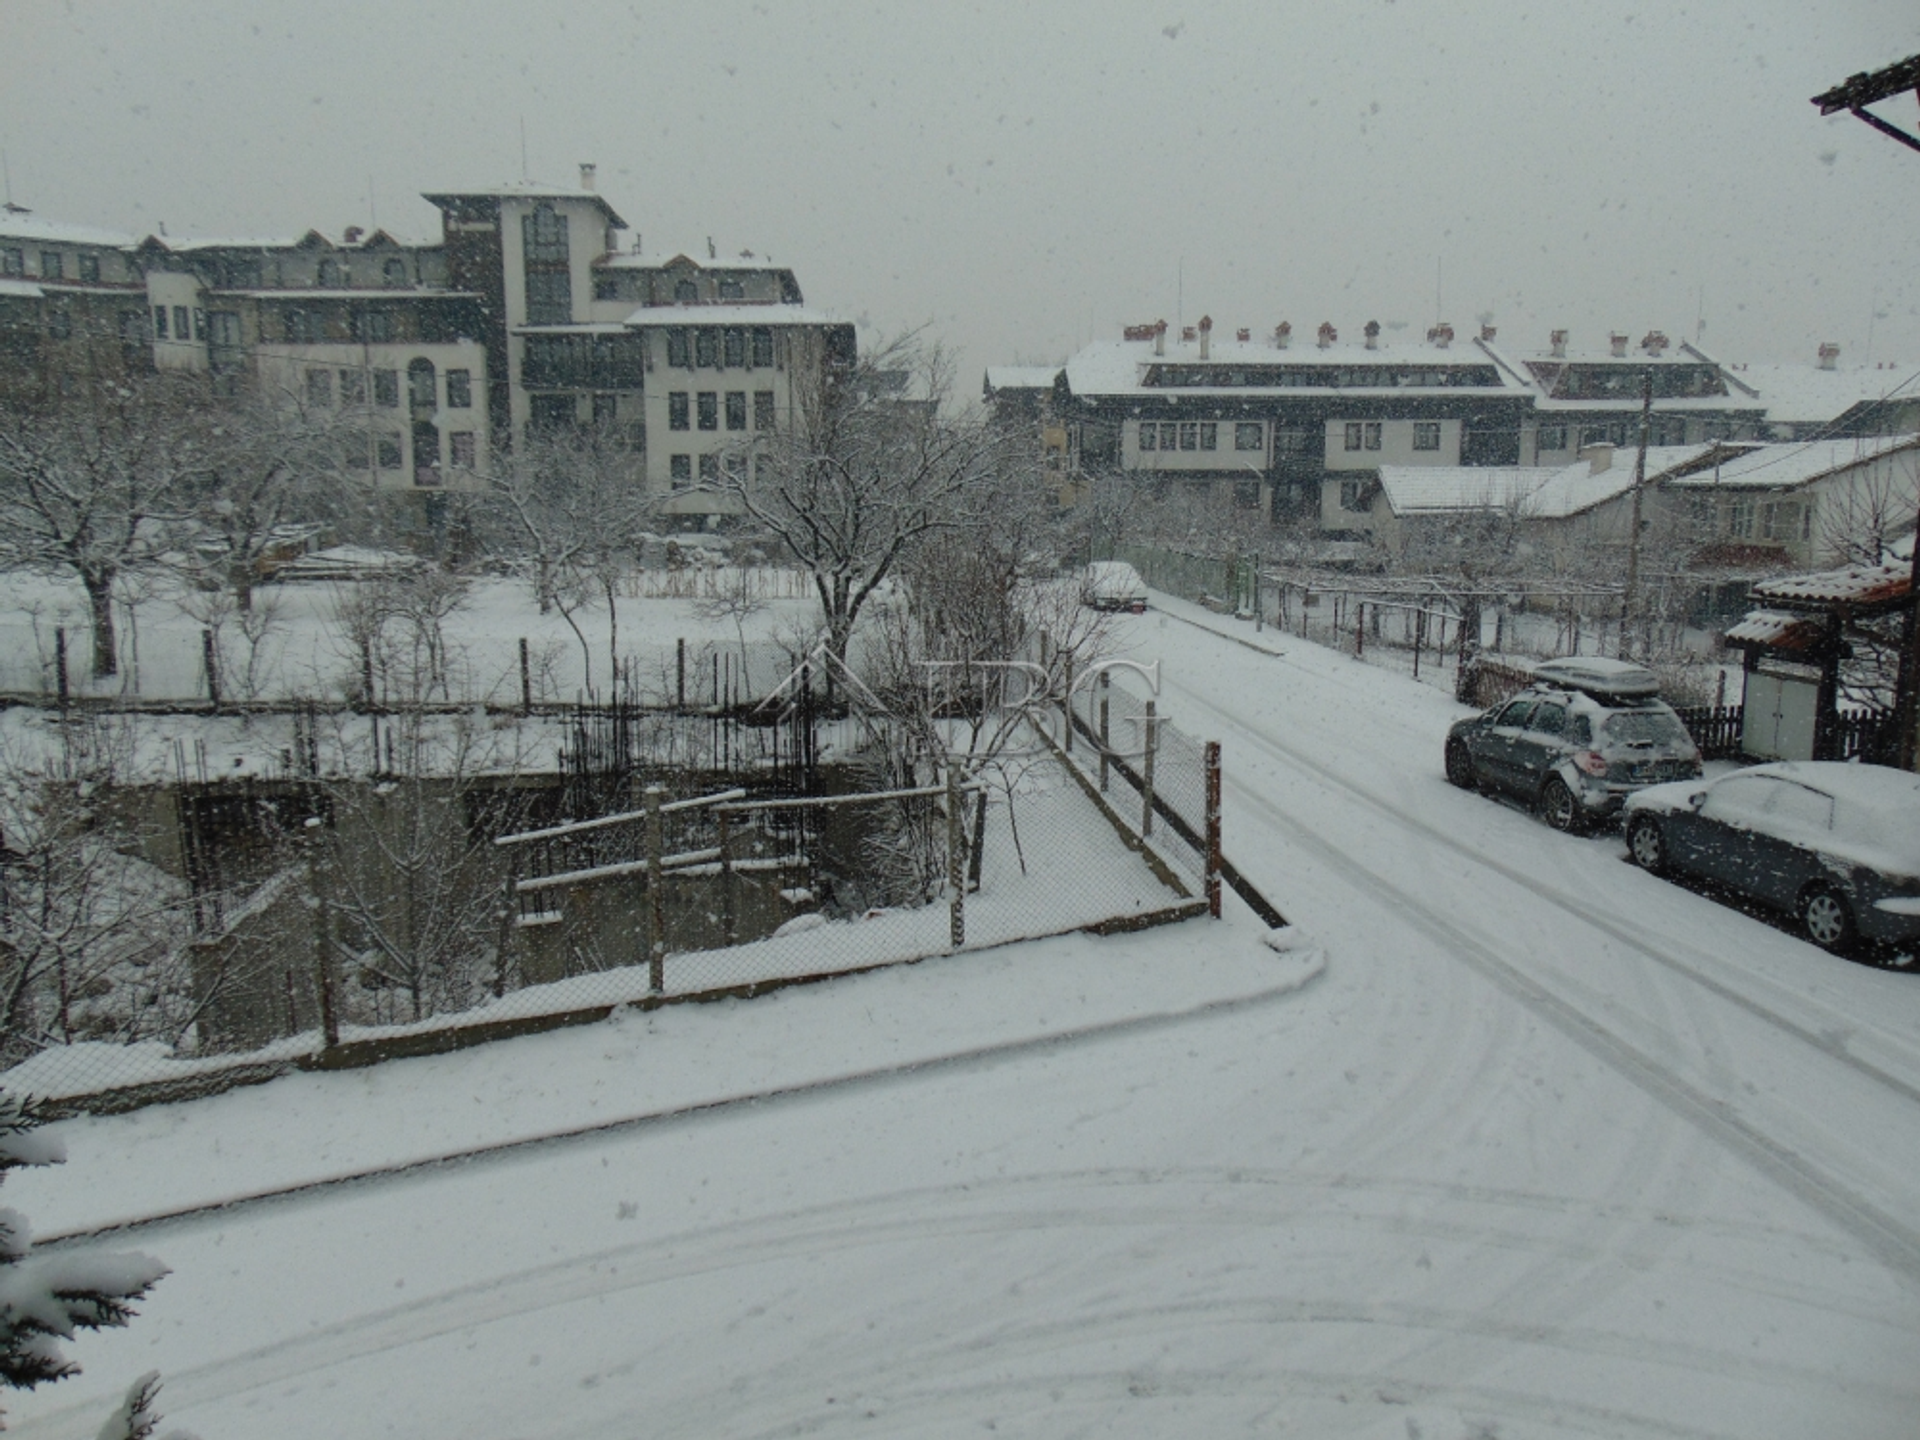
1590, 762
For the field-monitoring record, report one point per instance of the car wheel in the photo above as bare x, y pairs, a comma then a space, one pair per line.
1647, 845
1560, 808
1460, 765
1829, 923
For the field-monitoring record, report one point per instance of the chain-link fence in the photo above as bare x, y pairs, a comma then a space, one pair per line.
327, 921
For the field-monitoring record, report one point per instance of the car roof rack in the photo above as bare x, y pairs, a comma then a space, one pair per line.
1599, 677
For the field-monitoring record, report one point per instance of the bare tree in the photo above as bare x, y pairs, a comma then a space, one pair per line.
89, 485
271, 460
865, 468
1859, 522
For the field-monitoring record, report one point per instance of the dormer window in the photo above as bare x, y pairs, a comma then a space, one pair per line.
331, 275
685, 292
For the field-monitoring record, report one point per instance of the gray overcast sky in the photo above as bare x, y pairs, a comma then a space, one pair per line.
1022, 176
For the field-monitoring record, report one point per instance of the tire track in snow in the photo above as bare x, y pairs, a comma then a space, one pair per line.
1891, 1240
1081, 1201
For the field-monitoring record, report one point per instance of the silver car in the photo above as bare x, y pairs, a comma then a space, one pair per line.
1836, 844
1576, 743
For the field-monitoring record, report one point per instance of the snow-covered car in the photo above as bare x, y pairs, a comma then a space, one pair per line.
1586, 734
1836, 844
1113, 585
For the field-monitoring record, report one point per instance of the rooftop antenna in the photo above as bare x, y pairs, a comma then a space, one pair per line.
1180, 296
523, 148
1439, 273
6, 175
373, 209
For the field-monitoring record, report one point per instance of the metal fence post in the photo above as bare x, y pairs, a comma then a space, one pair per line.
1106, 684
729, 901
1069, 700
322, 933
956, 862
1213, 828
526, 679
1359, 628
656, 900
1146, 773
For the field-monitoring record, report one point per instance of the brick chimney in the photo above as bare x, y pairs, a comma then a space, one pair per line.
1441, 335
1327, 334
1619, 343
586, 175
1598, 457
1487, 332
1372, 332
1159, 337
1829, 355
1282, 334
1558, 342
1654, 342
1244, 335
1206, 335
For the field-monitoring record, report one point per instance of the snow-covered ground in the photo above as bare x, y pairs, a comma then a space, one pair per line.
1550, 1148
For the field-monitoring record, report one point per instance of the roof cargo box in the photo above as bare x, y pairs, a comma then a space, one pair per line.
1598, 676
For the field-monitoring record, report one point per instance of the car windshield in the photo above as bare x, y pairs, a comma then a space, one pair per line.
1645, 727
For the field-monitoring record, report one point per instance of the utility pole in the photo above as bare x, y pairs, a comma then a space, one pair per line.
1853, 95
1633, 537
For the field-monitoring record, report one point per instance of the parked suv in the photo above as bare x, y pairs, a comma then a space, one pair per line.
1576, 742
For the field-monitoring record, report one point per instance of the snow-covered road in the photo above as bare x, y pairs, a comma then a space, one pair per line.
1552, 1148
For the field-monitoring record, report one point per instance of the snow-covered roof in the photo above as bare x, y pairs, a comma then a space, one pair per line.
1806, 394
21, 289
1578, 487
1118, 367
730, 314
1776, 629
1021, 377
527, 190
1790, 463
20, 224
1855, 585
655, 259
1433, 489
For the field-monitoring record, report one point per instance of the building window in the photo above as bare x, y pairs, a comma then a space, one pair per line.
460, 450
763, 348
199, 323
60, 322
320, 388
90, 269
182, 325
679, 354
389, 452
393, 273
1353, 435
386, 387
1426, 434
681, 467
1353, 496
1289, 442
677, 410
372, 327
732, 290
543, 235
1740, 519
736, 349
331, 276
1595, 435
1149, 435
1209, 435
709, 408
353, 387
459, 389
13, 262
606, 410
1189, 435
420, 387
706, 349
736, 410
160, 322
426, 454
685, 292
52, 265
1552, 437
763, 409
1248, 436
709, 469
1371, 435
606, 287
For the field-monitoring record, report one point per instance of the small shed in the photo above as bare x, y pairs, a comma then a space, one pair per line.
1793, 649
